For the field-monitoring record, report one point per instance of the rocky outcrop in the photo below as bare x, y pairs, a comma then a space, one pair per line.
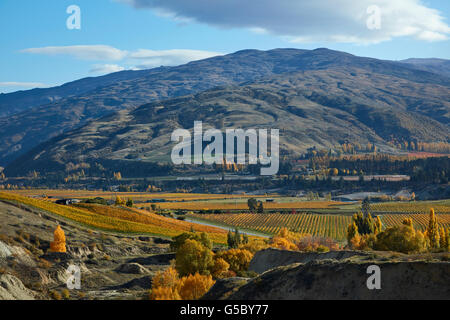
5, 250
347, 279
133, 268
156, 259
271, 258
223, 288
11, 288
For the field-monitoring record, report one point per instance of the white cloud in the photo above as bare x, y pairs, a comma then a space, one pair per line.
23, 84
156, 58
106, 68
84, 52
142, 58
311, 21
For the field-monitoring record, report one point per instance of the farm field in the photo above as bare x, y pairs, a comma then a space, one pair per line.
117, 219
320, 218
136, 196
442, 206
324, 225
242, 205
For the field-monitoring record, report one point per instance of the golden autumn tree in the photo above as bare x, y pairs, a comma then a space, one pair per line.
432, 231
164, 293
378, 225
168, 285
119, 201
444, 238
168, 278
238, 259
352, 233
59, 241
193, 287
193, 257
220, 268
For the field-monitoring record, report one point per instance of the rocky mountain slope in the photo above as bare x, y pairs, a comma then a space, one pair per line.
439, 66
77, 103
28, 118
310, 108
113, 266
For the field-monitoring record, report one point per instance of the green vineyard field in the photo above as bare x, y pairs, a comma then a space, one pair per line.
324, 225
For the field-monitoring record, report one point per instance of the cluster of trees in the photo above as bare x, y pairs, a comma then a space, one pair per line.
194, 254
234, 240
255, 205
435, 147
196, 266
168, 285
377, 164
120, 202
366, 233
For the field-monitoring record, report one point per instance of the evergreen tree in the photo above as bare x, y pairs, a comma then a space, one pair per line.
252, 203
237, 238
365, 206
129, 202
260, 207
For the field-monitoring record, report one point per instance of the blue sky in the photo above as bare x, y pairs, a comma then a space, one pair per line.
38, 49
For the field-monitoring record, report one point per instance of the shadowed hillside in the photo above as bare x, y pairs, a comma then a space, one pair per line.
34, 116
311, 108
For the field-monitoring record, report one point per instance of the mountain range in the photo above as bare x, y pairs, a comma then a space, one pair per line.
315, 97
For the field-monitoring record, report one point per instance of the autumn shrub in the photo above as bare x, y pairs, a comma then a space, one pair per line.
322, 249
65, 294
45, 264
55, 295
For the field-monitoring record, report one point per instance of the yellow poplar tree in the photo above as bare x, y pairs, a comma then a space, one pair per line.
59, 241
352, 232
378, 225
433, 230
